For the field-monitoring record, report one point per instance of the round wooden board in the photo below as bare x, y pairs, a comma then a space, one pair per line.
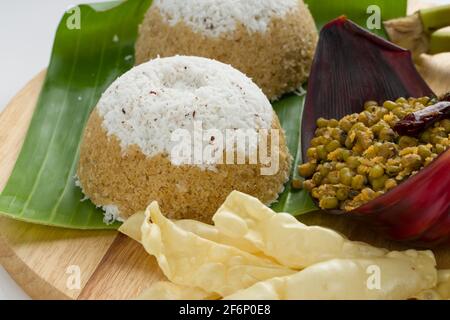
44, 260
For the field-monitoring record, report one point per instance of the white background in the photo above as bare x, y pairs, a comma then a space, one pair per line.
27, 28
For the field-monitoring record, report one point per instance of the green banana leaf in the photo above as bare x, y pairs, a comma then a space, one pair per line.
367, 13
84, 62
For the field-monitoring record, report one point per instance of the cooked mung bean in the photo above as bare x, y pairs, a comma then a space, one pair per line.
360, 157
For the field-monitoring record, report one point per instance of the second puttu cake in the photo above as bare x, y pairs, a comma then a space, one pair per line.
272, 42
128, 156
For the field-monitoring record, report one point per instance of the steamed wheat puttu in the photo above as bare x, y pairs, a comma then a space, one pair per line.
126, 157
272, 42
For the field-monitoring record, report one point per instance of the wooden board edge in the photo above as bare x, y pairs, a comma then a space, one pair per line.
26, 278
9, 114
19, 271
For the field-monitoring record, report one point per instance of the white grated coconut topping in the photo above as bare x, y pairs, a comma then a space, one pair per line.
146, 105
112, 214
215, 17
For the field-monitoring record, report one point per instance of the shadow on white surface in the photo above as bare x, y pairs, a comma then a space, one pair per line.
9, 290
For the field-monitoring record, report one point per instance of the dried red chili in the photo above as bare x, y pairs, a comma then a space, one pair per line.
416, 122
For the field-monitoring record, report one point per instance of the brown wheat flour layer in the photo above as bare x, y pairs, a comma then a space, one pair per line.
127, 159
131, 181
277, 56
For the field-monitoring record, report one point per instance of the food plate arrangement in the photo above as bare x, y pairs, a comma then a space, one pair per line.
93, 145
